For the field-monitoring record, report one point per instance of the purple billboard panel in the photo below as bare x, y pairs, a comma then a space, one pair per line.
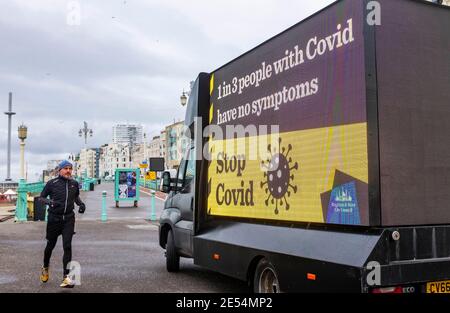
310, 76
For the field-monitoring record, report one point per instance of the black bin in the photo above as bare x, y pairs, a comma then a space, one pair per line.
91, 186
38, 210
99, 181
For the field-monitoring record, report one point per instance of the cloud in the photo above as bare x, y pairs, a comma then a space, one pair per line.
125, 62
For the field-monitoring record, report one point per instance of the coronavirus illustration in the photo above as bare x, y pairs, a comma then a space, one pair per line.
278, 176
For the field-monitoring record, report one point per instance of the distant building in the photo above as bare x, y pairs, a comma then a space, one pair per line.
75, 160
139, 154
98, 152
128, 134
113, 156
175, 145
52, 169
88, 162
162, 145
5, 186
49, 174
156, 148
52, 164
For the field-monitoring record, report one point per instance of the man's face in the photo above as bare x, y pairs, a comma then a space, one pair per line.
66, 172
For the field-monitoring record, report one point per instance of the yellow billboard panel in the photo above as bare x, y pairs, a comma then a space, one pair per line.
315, 175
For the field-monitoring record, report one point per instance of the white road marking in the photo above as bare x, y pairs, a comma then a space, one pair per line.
148, 193
143, 227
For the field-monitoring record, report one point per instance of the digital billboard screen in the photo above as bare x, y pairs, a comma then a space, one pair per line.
156, 164
308, 82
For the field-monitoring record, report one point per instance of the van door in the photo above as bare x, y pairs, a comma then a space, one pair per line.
184, 201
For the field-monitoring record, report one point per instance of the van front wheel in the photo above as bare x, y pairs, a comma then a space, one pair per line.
172, 257
266, 278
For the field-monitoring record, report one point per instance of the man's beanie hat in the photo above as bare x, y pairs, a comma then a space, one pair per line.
63, 164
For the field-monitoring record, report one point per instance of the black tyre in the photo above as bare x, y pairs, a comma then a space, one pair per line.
266, 278
172, 257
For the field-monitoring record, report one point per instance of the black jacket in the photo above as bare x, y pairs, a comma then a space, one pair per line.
63, 194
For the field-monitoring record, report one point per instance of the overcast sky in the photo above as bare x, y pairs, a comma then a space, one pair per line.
126, 61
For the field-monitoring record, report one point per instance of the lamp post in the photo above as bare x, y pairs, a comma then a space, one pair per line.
145, 158
85, 131
22, 136
21, 209
185, 94
10, 113
184, 98
145, 146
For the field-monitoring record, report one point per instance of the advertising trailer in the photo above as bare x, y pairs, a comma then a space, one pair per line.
318, 160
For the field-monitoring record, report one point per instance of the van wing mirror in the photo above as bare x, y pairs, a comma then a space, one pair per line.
165, 187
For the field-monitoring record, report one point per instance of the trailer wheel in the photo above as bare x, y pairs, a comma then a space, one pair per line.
266, 278
172, 257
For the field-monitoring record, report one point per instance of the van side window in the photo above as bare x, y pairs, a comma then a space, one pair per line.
190, 168
181, 172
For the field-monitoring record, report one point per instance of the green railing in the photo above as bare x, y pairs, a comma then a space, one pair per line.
86, 182
150, 184
22, 191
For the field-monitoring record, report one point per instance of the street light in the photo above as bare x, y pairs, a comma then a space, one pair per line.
184, 98
85, 131
185, 95
23, 130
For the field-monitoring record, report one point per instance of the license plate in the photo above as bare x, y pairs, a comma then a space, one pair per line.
438, 287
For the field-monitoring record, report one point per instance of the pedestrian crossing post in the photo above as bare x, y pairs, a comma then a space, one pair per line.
153, 214
104, 213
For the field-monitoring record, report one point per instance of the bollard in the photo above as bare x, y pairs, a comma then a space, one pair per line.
153, 214
104, 215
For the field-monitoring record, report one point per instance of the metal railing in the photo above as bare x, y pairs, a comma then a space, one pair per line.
22, 202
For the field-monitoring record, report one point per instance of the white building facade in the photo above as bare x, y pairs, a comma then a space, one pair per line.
128, 134
87, 163
156, 148
53, 164
114, 156
140, 154
175, 145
